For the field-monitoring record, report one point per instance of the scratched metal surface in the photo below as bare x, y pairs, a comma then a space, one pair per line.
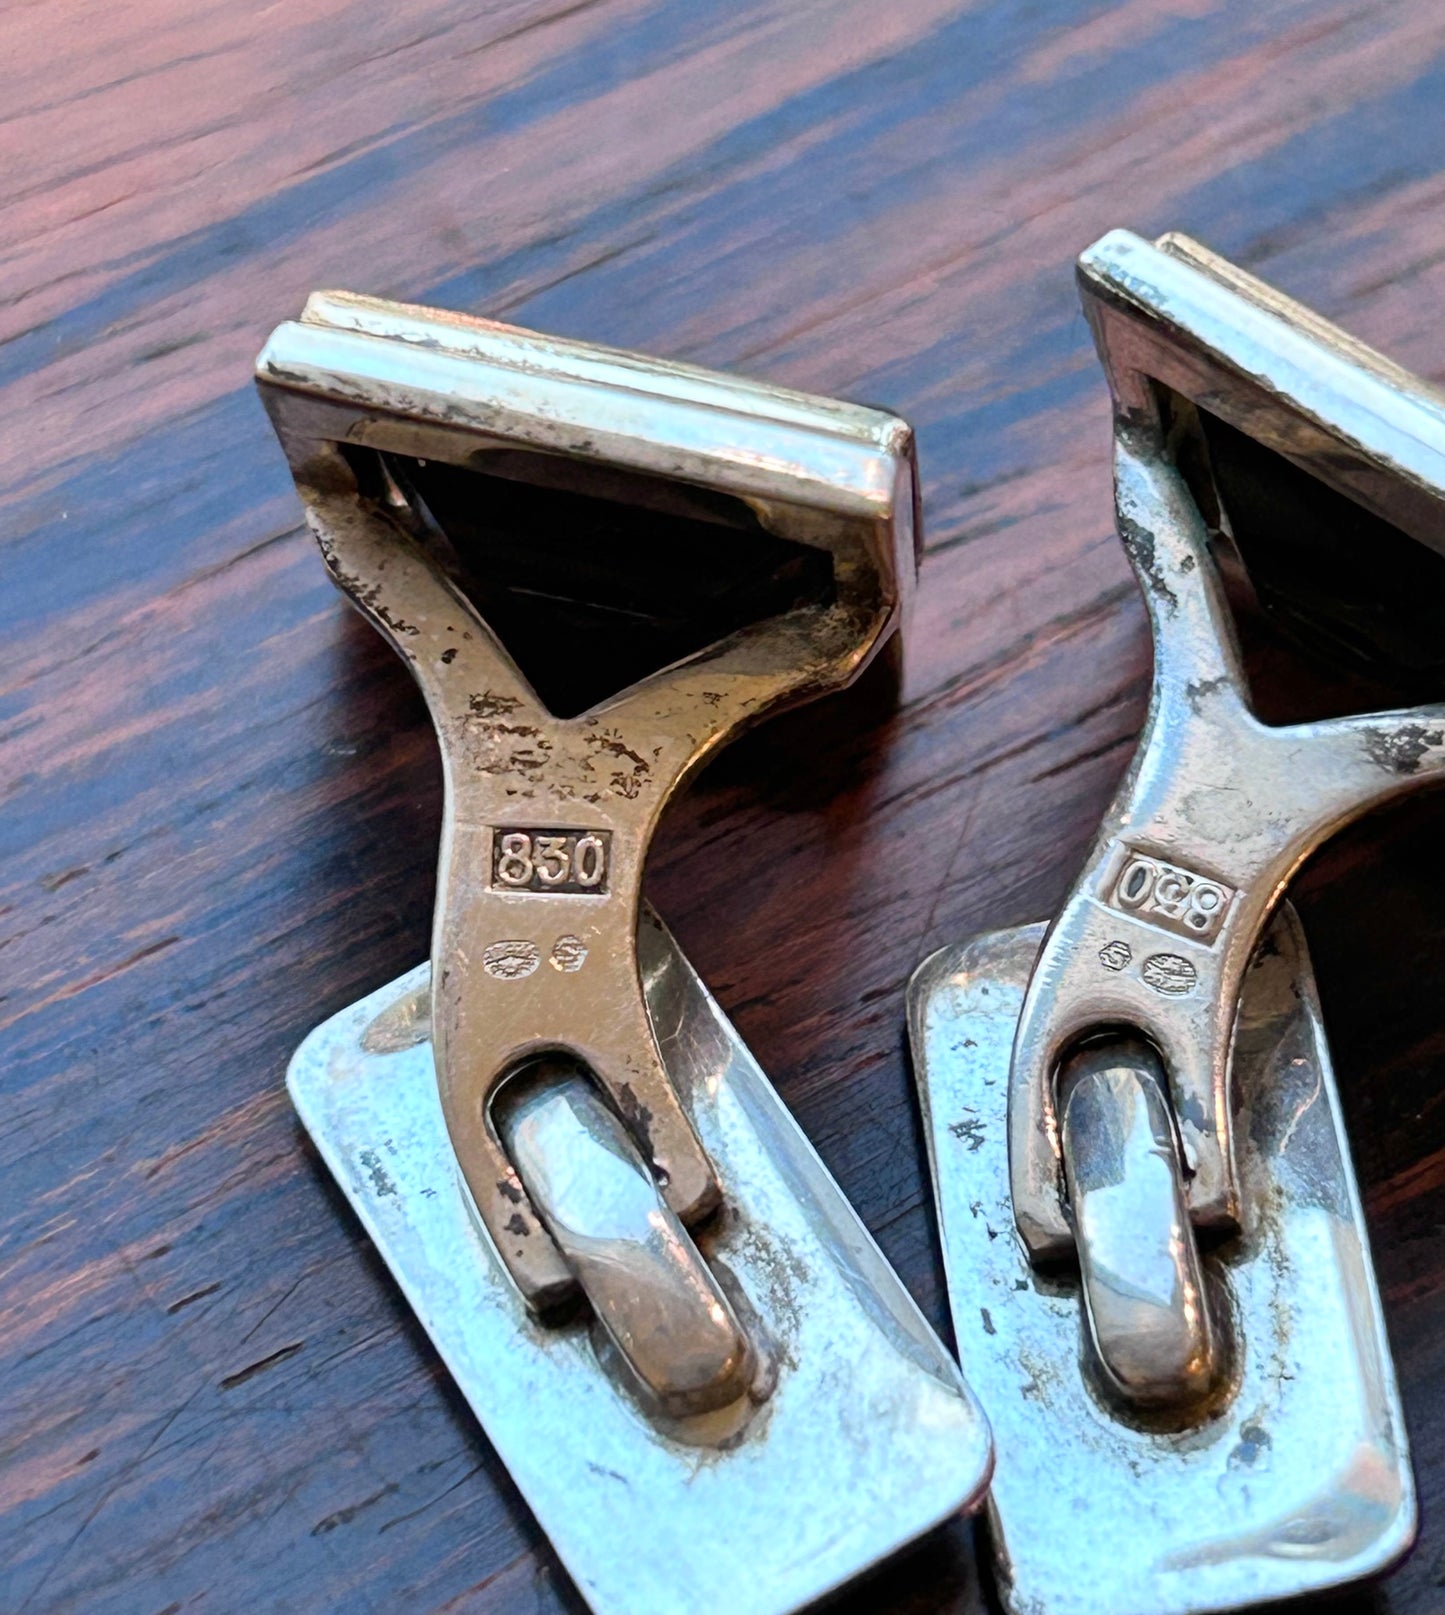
865, 1438
1299, 1477
220, 799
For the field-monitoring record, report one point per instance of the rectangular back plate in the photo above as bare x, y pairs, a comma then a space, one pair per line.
1301, 1480
869, 1437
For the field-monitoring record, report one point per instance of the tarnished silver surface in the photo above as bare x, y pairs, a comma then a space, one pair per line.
860, 1436
1296, 1477
646, 1281
1141, 1277
548, 817
1217, 809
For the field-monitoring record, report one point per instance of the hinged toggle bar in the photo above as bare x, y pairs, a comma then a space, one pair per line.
646, 1280
1143, 1283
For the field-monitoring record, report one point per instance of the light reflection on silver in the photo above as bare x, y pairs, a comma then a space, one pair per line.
1298, 1480
647, 1284
1142, 1280
869, 1437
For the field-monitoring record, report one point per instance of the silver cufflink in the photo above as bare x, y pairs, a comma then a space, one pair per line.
1157, 1264
704, 1378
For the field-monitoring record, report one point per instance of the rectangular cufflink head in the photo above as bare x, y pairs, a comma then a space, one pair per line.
1298, 1478
867, 1437
546, 413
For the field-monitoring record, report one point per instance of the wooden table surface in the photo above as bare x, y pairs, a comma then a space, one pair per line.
220, 793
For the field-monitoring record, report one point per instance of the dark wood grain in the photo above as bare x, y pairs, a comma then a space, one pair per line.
220, 797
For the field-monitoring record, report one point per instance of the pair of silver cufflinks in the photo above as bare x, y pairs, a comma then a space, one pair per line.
700, 1371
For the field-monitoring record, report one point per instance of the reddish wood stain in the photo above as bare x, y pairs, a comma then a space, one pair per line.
220, 796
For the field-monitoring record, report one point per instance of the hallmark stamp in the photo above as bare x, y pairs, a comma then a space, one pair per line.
1170, 974
510, 961
1172, 898
569, 954
1115, 955
571, 861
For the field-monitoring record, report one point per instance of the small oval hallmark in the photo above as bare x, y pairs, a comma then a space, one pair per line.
1170, 974
569, 953
510, 961
1115, 955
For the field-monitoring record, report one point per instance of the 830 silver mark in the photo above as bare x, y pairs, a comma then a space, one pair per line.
1170, 897
571, 861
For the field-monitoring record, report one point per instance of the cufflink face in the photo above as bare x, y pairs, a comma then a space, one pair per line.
599, 567
1288, 1472
1188, 1324
854, 1434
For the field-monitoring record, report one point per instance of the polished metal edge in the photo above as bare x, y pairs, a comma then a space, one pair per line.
1300, 1479
1181, 315
1175, 313
515, 347
592, 403
867, 1439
